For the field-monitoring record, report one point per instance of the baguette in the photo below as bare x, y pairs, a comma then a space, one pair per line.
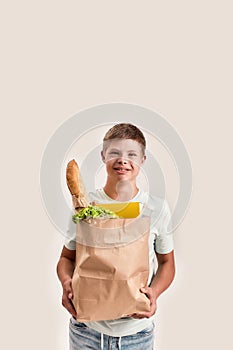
76, 186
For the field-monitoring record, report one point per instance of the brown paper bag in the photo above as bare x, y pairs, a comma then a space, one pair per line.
112, 264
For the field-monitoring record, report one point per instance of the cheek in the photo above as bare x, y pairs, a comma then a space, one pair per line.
137, 169
109, 165
136, 164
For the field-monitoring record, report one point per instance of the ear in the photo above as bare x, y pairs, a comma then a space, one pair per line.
143, 159
102, 156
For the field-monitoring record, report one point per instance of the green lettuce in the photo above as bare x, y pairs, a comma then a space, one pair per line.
91, 212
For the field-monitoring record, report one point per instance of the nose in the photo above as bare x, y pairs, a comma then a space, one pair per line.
122, 161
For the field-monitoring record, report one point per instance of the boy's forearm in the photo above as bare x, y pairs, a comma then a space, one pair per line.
163, 278
65, 269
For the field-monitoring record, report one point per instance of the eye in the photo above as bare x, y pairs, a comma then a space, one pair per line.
132, 155
114, 153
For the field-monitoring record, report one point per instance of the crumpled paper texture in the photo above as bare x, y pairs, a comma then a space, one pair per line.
112, 264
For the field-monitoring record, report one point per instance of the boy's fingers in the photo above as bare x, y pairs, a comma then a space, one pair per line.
67, 287
67, 297
139, 315
149, 293
145, 314
69, 306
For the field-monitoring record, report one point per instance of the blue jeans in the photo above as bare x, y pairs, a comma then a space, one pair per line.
83, 337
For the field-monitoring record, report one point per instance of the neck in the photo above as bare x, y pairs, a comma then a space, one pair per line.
121, 191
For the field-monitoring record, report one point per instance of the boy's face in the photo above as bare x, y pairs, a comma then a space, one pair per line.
123, 158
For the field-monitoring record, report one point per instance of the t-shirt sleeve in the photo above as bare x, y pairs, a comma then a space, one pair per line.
163, 243
70, 239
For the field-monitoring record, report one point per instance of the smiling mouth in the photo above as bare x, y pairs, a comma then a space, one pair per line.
121, 170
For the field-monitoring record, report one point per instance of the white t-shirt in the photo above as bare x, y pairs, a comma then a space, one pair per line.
160, 240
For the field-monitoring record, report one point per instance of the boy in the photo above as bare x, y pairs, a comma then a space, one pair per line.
123, 154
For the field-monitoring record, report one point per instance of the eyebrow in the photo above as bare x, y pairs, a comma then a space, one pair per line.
113, 149
117, 149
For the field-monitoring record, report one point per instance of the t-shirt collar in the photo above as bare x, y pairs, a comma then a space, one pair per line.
130, 200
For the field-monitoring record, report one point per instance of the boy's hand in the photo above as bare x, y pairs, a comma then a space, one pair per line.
153, 306
67, 297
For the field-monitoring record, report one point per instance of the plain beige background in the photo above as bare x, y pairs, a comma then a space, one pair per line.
58, 58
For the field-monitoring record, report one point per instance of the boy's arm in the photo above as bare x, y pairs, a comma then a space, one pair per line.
160, 282
65, 270
165, 273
